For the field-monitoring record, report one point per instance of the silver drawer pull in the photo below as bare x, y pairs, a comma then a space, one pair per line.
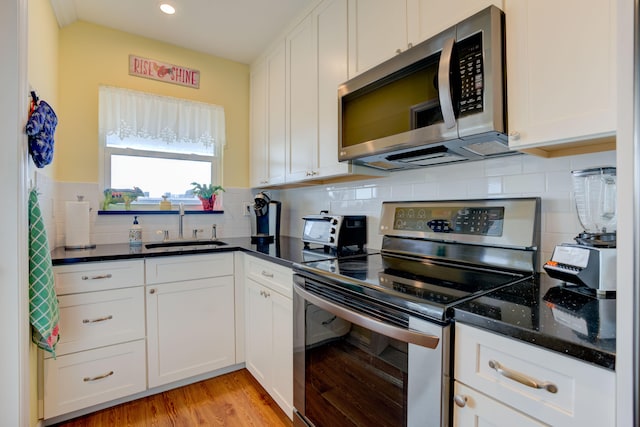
267, 274
99, 319
99, 377
522, 378
103, 276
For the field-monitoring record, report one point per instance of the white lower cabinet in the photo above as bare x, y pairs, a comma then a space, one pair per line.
101, 352
190, 318
505, 382
269, 329
186, 311
79, 380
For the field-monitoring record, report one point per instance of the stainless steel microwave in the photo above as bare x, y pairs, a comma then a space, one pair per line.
440, 101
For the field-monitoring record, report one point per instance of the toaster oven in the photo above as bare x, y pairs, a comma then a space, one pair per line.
335, 232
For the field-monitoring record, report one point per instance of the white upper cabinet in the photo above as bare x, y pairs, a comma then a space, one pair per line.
259, 174
317, 63
302, 108
429, 17
561, 74
380, 29
377, 32
268, 119
333, 57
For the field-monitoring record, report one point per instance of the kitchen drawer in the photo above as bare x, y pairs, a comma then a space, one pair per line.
87, 378
98, 319
188, 267
577, 393
98, 276
271, 275
480, 410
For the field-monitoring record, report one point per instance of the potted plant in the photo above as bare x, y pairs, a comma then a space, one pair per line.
207, 194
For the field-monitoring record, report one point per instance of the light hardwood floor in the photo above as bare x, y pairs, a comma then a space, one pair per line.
234, 399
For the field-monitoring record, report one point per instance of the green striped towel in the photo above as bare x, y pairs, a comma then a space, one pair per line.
43, 302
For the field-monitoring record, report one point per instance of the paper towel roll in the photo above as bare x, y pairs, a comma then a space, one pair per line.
77, 225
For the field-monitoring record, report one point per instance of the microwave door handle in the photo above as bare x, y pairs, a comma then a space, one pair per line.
444, 84
405, 335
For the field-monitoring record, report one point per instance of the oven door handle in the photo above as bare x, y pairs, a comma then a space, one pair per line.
404, 335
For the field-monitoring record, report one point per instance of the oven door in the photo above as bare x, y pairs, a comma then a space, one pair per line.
355, 364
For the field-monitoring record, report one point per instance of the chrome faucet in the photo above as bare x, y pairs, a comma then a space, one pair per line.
181, 218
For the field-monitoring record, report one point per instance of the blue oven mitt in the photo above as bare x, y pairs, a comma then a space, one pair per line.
40, 129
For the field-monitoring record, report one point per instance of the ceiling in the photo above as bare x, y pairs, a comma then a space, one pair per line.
238, 30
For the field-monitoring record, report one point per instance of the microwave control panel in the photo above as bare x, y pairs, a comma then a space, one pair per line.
471, 74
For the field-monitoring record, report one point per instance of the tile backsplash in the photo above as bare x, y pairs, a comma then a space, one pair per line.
106, 229
516, 176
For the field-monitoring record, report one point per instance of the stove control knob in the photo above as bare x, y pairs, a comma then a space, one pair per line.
332, 239
333, 230
334, 221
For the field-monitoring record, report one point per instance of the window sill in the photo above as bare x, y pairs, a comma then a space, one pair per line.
159, 212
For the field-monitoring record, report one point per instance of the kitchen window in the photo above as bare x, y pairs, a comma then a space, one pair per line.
159, 144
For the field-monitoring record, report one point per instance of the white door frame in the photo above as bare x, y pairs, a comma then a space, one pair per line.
14, 283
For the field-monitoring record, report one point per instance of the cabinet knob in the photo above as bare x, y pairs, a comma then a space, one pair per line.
409, 45
152, 291
460, 400
514, 136
398, 51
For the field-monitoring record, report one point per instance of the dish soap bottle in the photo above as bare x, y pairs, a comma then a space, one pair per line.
135, 233
165, 205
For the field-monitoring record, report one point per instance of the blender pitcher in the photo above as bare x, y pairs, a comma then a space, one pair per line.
595, 196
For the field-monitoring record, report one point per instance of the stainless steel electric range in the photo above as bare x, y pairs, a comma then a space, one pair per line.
372, 333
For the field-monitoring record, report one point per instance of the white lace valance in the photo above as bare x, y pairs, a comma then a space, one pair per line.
185, 126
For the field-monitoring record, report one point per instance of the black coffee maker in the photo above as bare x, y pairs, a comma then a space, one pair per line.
266, 228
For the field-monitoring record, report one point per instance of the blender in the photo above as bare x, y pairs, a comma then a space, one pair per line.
591, 261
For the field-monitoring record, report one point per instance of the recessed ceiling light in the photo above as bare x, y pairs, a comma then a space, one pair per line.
167, 7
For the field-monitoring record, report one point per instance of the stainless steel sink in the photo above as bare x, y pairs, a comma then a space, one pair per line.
185, 243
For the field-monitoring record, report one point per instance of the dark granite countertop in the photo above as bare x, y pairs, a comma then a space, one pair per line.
551, 315
285, 251
540, 311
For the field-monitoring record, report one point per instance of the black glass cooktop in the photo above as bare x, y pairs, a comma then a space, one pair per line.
420, 286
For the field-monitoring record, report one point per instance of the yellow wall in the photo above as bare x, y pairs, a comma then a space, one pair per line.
91, 55
43, 57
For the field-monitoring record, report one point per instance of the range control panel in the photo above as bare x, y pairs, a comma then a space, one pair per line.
508, 222
485, 221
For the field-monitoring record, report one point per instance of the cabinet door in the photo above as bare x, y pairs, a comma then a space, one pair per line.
480, 410
258, 174
269, 342
377, 30
429, 17
561, 68
258, 347
190, 328
302, 139
332, 33
268, 119
276, 113
282, 317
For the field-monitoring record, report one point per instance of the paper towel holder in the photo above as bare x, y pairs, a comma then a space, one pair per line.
80, 198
